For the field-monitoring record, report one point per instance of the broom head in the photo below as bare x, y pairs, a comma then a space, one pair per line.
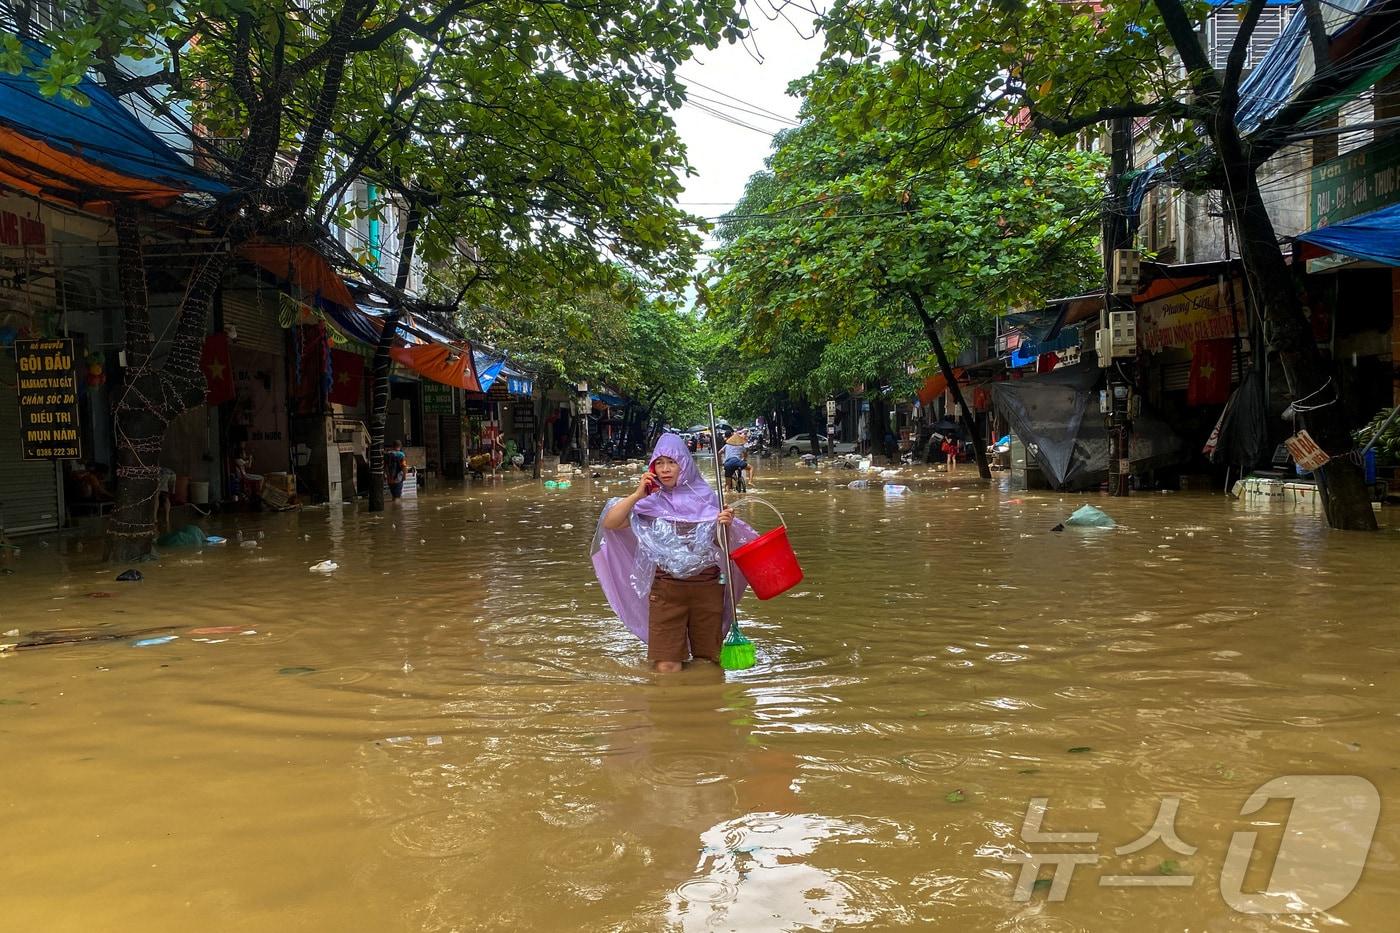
736, 654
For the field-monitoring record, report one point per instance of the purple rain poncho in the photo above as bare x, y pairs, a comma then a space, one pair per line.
671, 529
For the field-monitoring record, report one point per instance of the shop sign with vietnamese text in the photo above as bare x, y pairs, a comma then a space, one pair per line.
1359, 182
438, 399
48, 399
1181, 320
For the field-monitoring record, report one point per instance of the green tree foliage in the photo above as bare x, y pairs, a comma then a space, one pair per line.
826, 266
956, 70
536, 135
618, 335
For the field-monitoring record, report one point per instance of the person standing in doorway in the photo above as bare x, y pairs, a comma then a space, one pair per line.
395, 465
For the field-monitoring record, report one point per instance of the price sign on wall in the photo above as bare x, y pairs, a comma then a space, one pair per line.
48, 400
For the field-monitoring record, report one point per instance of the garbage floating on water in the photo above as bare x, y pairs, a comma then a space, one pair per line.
217, 630
130, 576
248, 543
188, 536
892, 490
434, 740
158, 640
296, 670
859, 484
215, 539
567, 527
1086, 516
325, 566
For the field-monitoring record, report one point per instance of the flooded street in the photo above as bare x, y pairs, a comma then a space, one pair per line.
452, 732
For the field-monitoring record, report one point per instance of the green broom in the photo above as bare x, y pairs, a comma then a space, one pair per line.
736, 654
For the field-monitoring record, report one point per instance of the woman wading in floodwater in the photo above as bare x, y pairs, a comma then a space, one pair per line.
658, 559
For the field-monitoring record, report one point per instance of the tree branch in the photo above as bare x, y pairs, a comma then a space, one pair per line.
1063, 127
118, 84
242, 51
403, 22
1234, 64
1188, 45
1317, 36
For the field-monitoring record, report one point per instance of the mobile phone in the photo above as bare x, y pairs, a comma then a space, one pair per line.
651, 486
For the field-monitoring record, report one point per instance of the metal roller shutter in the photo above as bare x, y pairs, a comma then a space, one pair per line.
257, 324
28, 488
1176, 376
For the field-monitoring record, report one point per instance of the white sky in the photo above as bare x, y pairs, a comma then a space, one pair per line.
754, 75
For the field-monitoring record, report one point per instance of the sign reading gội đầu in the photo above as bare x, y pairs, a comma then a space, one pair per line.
48, 400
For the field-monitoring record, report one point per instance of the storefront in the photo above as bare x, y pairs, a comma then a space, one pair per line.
31, 490
257, 345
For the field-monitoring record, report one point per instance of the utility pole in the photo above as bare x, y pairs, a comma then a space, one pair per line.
1117, 235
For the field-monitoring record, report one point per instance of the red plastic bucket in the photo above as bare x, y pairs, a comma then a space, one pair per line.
768, 562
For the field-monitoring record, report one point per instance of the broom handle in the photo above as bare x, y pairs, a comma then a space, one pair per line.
723, 529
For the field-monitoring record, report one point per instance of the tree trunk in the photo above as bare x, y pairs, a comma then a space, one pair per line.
139, 422
1341, 483
379, 408
540, 411
979, 444
382, 364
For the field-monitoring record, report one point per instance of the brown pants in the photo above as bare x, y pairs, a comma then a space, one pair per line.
687, 617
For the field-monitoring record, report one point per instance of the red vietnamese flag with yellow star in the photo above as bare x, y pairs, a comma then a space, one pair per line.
1210, 372
218, 371
347, 375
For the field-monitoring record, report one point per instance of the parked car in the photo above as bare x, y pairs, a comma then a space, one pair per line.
800, 444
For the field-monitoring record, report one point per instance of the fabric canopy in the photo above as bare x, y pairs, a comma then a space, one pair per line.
449, 365
85, 155
935, 386
1374, 236
302, 268
1049, 414
488, 369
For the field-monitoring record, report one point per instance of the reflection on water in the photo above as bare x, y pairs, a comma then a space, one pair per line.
451, 733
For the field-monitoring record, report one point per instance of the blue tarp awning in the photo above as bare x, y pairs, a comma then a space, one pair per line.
1374, 236
612, 401
1362, 46
488, 368
56, 148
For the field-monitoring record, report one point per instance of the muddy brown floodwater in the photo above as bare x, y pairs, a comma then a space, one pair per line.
451, 732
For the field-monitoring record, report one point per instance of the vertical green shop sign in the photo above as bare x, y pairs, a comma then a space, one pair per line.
438, 399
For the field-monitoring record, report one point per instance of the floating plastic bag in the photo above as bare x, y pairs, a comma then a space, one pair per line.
1086, 516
